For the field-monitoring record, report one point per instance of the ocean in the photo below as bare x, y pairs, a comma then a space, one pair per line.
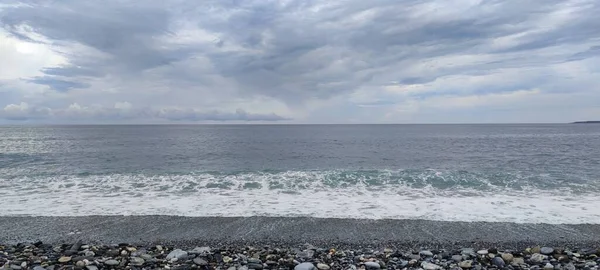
526, 173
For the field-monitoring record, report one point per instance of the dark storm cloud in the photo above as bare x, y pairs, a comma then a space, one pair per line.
58, 84
297, 51
127, 32
124, 31
72, 71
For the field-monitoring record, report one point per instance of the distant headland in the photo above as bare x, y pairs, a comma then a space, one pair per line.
586, 122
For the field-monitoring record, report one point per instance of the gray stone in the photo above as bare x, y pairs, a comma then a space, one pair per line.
138, 253
570, 266
322, 266
465, 264
305, 266
457, 258
255, 266
177, 254
254, 260
468, 252
306, 254
430, 266
146, 257
15, 267
200, 250
200, 261
136, 261
81, 258
499, 262
548, 266
403, 263
64, 259
518, 261
538, 258
507, 257
372, 265
546, 250
92, 267
426, 253
111, 262
414, 256
483, 252
37, 267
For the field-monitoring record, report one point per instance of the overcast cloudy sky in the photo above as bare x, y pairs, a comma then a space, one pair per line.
309, 61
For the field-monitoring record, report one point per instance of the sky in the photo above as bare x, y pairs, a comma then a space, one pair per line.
289, 61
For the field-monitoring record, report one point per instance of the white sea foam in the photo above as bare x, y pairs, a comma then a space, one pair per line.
315, 194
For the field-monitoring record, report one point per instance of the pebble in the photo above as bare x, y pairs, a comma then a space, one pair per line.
322, 266
200, 250
518, 261
465, 264
305, 266
200, 261
136, 261
457, 258
507, 257
430, 266
546, 250
497, 261
373, 265
64, 259
426, 253
177, 254
111, 262
414, 257
255, 266
538, 258
468, 252
125, 256
254, 260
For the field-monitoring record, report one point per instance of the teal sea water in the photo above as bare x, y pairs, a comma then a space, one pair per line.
516, 173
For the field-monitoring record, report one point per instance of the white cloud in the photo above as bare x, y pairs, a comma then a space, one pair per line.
22, 59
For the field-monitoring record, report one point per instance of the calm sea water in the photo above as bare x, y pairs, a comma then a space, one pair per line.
518, 173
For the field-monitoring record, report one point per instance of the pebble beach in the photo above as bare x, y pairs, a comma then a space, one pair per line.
39, 256
171, 242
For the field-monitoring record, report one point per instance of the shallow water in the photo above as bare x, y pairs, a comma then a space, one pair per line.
517, 173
